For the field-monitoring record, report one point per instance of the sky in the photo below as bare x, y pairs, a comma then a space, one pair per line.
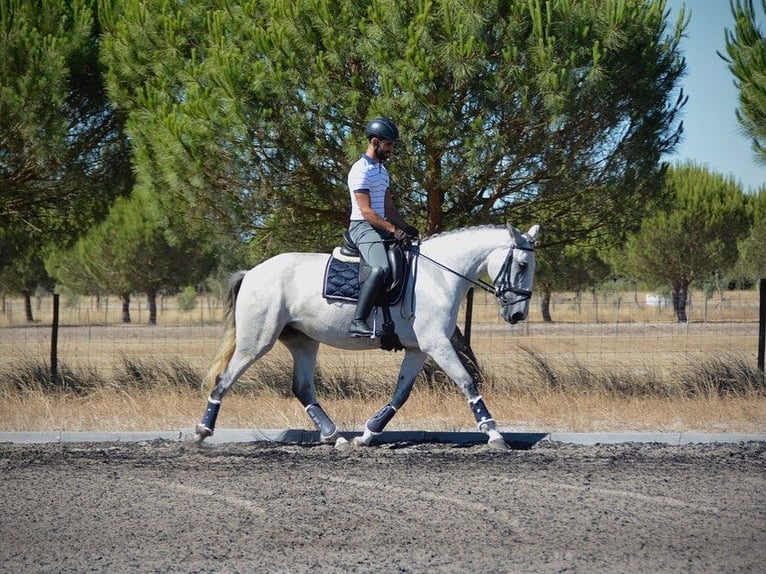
712, 136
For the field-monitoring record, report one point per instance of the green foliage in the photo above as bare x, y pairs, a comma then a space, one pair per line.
570, 267
250, 112
746, 48
24, 274
187, 298
752, 249
137, 248
694, 237
63, 156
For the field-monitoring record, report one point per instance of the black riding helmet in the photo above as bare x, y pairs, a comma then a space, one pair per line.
382, 128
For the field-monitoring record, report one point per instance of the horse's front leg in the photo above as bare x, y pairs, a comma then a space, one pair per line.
411, 365
448, 359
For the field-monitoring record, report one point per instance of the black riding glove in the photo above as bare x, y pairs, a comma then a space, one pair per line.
400, 236
412, 232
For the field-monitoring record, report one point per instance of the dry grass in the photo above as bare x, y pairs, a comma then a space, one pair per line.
602, 366
110, 410
726, 395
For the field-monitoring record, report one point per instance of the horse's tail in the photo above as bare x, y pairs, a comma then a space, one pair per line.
229, 342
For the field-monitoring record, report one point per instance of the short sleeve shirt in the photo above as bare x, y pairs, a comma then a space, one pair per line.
368, 176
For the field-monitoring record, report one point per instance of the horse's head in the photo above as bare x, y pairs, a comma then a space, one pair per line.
514, 270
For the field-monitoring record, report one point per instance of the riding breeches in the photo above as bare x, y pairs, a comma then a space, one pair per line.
370, 242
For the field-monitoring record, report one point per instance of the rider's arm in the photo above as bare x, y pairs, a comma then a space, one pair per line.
363, 201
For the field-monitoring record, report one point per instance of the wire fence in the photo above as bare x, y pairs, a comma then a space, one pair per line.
605, 330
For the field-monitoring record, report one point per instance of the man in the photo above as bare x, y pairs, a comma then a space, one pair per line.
374, 219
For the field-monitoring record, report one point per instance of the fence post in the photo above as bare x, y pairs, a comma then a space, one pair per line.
55, 340
468, 316
762, 323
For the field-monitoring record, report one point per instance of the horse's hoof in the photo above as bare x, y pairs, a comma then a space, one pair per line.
342, 444
201, 432
497, 444
329, 439
359, 441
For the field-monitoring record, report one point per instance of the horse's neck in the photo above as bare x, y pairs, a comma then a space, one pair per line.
466, 252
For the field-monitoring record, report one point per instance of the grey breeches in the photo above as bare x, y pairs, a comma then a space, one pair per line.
369, 240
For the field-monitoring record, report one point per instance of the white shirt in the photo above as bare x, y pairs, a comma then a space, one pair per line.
368, 176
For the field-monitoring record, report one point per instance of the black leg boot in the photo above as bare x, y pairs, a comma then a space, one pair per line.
368, 294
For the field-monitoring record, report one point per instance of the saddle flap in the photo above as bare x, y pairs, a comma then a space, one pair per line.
396, 260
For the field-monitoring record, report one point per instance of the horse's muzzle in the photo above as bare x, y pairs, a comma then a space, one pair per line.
514, 313
516, 317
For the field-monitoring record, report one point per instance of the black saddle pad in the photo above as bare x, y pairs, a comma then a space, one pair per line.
341, 283
341, 280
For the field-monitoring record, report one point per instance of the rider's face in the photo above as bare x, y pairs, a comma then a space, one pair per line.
384, 149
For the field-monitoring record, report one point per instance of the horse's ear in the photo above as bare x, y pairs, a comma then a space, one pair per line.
515, 233
532, 233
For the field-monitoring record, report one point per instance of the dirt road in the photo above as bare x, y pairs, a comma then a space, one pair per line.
265, 507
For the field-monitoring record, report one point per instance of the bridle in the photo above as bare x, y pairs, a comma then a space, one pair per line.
502, 284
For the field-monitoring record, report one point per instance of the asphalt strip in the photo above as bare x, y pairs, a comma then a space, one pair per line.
299, 436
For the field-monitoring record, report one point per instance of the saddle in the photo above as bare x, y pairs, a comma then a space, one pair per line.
346, 271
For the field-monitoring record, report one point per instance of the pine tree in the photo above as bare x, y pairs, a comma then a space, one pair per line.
251, 112
139, 248
695, 236
63, 153
746, 48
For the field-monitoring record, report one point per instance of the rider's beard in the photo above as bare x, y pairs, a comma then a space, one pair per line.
382, 155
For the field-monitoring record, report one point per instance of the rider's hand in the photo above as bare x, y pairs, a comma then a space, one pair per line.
412, 232
400, 236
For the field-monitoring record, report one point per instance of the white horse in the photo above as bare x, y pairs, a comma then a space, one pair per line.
281, 299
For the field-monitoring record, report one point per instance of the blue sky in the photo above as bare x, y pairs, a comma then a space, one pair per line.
712, 136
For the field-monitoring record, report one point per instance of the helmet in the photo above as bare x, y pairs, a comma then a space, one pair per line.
382, 128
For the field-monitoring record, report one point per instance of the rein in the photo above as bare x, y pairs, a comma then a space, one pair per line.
476, 282
503, 275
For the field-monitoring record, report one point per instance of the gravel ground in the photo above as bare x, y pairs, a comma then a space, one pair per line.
165, 506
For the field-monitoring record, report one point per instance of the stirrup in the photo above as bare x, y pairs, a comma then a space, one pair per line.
360, 328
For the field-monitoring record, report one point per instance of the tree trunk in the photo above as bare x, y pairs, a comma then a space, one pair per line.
680, 294
125, 307
545, 304
28, 306
151, 298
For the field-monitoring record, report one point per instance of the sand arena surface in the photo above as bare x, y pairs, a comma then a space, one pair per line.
165, 506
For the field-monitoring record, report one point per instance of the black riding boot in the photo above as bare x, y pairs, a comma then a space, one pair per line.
368, 294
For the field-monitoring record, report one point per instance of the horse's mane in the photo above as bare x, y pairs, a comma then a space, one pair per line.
451, 232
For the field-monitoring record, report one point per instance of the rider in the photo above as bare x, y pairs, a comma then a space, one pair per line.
374, 219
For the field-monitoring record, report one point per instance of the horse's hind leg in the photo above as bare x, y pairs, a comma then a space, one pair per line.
411, 365
238, 351
223, 382
304, 352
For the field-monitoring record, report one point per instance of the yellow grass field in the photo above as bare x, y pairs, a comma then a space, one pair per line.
614, 336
